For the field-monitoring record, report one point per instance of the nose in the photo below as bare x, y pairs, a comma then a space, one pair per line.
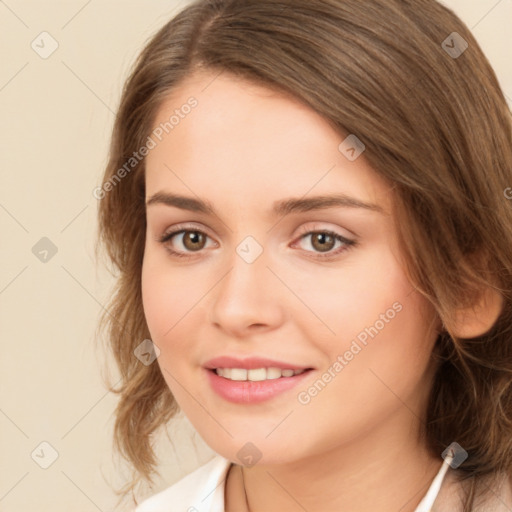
247, 298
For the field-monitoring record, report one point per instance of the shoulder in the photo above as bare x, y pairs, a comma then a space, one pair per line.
494, 494
497, 495
199, 491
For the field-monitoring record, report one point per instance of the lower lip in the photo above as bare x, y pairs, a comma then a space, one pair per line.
252, 392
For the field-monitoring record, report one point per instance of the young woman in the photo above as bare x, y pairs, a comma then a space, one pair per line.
308, 205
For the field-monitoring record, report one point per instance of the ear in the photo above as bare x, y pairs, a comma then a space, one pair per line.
476, 320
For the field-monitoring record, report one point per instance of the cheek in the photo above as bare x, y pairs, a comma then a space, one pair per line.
399, 326
155, 299
171, 297
166, 302
344, 302
168, 295
373, 380
379, 325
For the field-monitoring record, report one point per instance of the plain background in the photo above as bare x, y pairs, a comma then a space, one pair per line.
55, 123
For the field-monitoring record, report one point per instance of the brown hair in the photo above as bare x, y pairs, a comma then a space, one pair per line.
435, 124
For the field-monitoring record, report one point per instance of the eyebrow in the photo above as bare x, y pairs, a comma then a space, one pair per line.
281, 207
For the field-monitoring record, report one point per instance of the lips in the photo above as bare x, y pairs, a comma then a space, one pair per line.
227, 377
251, 363
247, 392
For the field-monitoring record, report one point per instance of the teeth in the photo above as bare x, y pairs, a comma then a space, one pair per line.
238, 374
273, 373
257, 374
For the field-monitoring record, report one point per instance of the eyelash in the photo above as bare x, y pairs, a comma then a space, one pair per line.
166, 237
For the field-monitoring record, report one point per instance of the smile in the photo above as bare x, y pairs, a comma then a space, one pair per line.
257, 374
253, 386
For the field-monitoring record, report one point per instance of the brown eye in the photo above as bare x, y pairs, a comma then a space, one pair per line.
193, 240
323, 242
184, 242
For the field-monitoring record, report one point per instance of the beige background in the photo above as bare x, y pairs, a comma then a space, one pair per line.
56, 117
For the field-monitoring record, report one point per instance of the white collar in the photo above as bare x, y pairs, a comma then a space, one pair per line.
203, 490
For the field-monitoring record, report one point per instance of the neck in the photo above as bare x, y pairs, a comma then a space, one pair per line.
385, 468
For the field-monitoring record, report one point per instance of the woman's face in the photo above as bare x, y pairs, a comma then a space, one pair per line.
261, 278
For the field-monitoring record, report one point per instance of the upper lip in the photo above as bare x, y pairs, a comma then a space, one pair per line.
250, 363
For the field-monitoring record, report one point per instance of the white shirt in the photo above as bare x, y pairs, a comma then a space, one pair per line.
203, 491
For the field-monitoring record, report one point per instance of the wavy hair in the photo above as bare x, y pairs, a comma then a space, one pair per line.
435, 124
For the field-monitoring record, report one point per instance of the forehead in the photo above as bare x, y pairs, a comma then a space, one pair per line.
225, 101
250, 142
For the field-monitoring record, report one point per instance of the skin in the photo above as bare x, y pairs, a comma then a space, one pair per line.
356, 442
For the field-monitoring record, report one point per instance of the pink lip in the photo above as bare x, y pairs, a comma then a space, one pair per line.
250, 363
249, 392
